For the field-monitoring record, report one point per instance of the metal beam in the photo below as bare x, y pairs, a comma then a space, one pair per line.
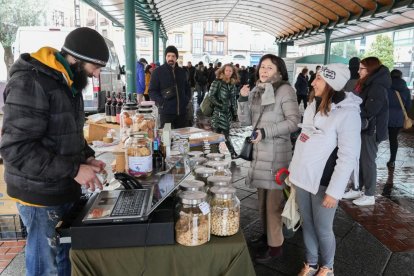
130, 49
327, 57
156, 41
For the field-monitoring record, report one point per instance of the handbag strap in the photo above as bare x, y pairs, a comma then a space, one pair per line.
258, 120
401, 103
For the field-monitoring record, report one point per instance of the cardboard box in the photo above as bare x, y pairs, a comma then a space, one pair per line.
98, 131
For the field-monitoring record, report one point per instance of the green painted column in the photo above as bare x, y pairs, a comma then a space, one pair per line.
130, 48
164, 45
327, 57
156, 40
282, 49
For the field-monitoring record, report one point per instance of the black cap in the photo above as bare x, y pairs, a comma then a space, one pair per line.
171, 49
87, 45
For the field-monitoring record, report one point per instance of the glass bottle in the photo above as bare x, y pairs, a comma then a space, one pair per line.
138, 155
108, 105
225, 211
113, 108
157, 159
119, 103
193, 219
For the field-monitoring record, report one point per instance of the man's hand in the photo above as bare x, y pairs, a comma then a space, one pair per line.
97, 163
329, 202
87, 177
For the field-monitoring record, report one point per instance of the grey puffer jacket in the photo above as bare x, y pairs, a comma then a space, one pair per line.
42, 141
279, 119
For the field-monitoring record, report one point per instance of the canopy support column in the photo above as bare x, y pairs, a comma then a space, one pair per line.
130, 49
156, 40
282, 49
327, 57
164, 45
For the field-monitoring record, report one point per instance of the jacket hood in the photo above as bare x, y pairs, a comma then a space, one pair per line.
381, 77
42, 61
351, 101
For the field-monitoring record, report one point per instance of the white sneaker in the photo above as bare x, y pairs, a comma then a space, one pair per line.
351, 194
364, 201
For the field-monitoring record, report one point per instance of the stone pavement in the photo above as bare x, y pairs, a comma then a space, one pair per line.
376, 240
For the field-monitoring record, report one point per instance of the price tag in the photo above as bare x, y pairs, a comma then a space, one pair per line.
204, 207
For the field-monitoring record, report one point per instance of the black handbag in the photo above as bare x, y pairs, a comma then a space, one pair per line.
246, 152
169, 93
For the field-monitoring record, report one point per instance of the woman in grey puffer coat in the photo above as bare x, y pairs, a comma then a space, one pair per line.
272, 148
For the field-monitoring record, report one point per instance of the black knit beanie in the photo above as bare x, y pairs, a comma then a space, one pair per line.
171, 49
87, 45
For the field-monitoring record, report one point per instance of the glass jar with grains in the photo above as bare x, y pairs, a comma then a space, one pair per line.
225, 211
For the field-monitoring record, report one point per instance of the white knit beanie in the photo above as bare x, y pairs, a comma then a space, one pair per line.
336, 75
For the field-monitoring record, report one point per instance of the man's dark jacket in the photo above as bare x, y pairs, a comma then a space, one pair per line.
42, 142
302, 85
165, 78
374, 106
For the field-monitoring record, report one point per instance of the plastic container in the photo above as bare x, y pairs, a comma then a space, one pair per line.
145, 121
225, 211
192, 226
127, 113
138, 155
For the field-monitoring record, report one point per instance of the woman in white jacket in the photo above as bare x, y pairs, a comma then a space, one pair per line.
326, 154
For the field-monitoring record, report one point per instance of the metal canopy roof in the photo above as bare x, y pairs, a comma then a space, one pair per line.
304, 21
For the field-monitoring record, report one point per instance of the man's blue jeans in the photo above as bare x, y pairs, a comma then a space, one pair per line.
44, 255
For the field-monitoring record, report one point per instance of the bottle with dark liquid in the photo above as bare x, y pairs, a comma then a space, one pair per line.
119, 104
113, 108
108, 105
157, 159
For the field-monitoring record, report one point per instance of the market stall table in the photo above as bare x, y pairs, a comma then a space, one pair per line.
220, 256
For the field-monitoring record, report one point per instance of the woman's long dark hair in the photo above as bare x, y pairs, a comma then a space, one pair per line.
280, 64
372, 64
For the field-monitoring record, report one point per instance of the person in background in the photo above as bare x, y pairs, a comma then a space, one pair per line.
191, 74
170, 90
141, 64
252, 76
372, 87
223, 100
148, 71
353, 68
312, 77
326, 154
211, 75
201, 79
46, 157
302, 89
396, 115
272, 150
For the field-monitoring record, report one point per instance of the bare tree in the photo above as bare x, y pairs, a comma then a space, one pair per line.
14, 14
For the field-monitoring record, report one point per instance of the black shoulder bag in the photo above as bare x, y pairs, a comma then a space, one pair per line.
246, 152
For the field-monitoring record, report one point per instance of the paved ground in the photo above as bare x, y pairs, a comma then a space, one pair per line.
377, 240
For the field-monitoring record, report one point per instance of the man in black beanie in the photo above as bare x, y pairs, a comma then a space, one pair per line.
46, 157
170, 89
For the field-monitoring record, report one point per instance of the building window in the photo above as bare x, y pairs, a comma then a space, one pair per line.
209, 45
179, 40
220, 47
197, 46
220, 27
58, 18
209, 26
144, 41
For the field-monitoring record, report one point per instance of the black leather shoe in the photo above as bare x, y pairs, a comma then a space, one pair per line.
267, 258
391, 165
261, 239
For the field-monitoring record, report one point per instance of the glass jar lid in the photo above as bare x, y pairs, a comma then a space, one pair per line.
192, 185
219, 180
215, 156
223, 192
147, 103
130, 106
195, 161
195, 153
192, 197
218, 165
204, 172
